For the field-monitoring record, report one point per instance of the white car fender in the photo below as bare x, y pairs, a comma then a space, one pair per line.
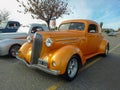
5, 45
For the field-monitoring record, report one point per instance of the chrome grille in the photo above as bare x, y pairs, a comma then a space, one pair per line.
36, 48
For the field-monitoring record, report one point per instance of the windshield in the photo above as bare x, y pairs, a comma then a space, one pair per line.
3, 25
24, 29
72, 26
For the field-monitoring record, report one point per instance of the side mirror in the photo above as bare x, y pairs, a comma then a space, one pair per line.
33, 31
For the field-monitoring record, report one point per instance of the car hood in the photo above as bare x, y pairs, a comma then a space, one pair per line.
12, 35
62, 34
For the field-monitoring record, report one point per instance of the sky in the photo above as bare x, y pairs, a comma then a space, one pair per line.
106, 11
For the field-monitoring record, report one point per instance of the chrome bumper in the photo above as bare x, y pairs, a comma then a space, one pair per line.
40, 67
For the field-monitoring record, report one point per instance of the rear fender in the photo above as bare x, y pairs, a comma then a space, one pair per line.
103, 45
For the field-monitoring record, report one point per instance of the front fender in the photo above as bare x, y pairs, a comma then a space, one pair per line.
62, 56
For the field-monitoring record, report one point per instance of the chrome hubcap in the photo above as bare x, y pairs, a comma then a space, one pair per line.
14, 50
106, 51
72, 67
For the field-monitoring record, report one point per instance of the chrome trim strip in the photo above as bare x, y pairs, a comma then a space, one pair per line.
68, 42
40, 67
63, 39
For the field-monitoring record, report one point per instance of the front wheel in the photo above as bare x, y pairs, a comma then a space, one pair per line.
72, 69
13, 50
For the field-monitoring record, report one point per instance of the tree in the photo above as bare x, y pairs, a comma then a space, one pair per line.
45, 9
101, 24
107, 31
119, 29
4, 15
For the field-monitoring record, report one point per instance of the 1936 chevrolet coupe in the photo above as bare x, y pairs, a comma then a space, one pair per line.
64, 51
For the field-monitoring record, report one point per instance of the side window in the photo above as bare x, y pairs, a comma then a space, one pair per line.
92, 28
35, 29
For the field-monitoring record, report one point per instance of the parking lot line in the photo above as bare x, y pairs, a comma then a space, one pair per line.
55, 86
114, 48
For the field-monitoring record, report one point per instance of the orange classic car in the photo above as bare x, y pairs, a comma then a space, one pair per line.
64, 51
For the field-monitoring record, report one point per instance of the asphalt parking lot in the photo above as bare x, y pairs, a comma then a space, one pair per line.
100, 73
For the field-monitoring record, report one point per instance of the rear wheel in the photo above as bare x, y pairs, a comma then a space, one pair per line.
106, 50
13, 50
72, 68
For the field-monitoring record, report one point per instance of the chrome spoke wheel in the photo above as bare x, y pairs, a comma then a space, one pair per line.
72, 67
106, 50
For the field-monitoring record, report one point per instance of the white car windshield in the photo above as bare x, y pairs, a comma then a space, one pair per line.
24, 29
3, 25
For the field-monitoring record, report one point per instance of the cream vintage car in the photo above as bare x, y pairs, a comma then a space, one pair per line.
11, 42
63, 52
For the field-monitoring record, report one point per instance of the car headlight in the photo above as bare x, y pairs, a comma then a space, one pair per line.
29, 39
49, 42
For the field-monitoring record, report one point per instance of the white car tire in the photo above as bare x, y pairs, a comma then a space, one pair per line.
13, 50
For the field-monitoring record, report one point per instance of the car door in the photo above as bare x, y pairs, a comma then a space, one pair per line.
80, 30
93, 39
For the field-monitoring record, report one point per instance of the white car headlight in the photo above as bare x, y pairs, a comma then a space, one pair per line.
29, 39
49, 42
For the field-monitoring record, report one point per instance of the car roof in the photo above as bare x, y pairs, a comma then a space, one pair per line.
79, 20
